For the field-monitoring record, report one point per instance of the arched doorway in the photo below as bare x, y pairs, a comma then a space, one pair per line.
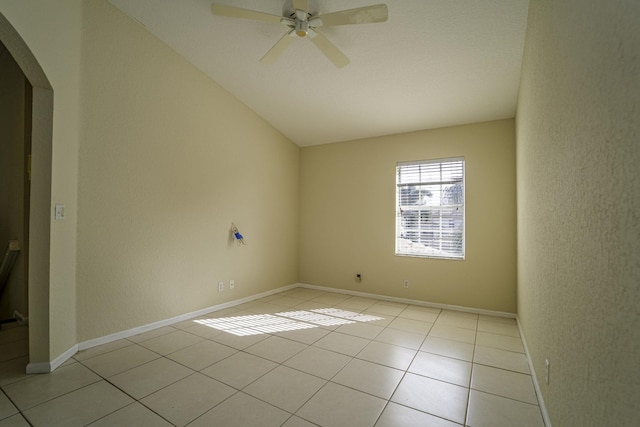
40, 198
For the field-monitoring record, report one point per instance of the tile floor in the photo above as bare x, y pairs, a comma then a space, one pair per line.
298, 358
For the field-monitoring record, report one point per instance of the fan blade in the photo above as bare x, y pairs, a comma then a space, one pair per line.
278, 48
329, 49
236, 12
360, 15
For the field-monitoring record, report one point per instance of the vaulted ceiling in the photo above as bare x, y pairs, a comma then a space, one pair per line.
434, 63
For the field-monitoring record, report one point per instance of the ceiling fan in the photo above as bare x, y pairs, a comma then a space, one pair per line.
302, 23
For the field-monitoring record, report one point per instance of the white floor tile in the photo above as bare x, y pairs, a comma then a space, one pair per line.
360, 329
305, 336
202, 354
330, 298
504, 383
203, 331
442, 368
498, 319
410, 325
401, 338
357, 303
7, 408
240, 369
414, 365
134, 414
387, 354
101, 349
458, 321
504, 359
456, 313
276, 349
395, 415
14, 421
242, 410
239, 342
435, 397
386, 308
285, 388
188, 398
339, 406
378, 380
342, 343
502, 342
319, 362
80, 407
37, 389
500, 328
150, 377
488, 410
152, 334
298, 422
171, 342
452, 332
419, 314
450, 348
13, 370
285, 301
123, 359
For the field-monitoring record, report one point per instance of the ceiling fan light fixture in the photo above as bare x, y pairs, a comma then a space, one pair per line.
302, 28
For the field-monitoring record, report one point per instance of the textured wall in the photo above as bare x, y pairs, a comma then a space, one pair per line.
168, 160
578, 157
348, 217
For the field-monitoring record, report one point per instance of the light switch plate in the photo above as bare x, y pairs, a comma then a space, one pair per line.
59, 212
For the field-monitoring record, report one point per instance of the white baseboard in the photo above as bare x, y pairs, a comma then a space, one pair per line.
46, 367
411, 301
536, 385
167, 322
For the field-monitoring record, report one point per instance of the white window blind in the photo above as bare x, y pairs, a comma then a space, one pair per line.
430, 208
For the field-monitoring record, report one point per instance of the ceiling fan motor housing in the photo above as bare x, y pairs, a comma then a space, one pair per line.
302, 28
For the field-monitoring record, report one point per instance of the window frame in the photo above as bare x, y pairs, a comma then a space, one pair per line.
398, 217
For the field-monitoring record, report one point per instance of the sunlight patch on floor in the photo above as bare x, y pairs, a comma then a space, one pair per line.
257, 324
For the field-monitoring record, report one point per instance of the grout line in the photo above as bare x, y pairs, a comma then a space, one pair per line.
309, 345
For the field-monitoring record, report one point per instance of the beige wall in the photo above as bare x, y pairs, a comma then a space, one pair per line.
348, 217
168, 161
12, 172
51, 32
578, 157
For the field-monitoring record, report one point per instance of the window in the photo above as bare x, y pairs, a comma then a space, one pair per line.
430, 209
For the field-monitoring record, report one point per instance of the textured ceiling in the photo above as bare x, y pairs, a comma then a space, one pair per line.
434, 63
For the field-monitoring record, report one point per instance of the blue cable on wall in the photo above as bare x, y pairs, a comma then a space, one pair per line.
236, 233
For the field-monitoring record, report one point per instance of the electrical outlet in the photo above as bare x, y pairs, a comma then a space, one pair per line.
220, 286
232, 284
405, 283
546, 370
